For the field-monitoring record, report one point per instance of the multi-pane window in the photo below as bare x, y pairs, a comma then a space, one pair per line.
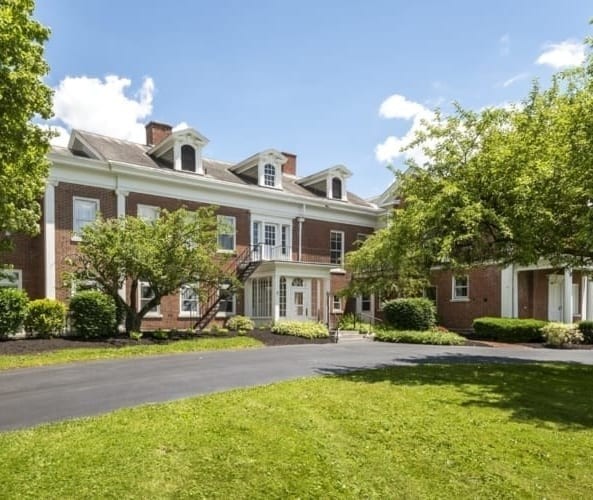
261, 297
366, 303
148, 213
336, 247
188, 301
282, 297
269, 175
12, 278
336, 303
226, 306
226, 233
146, 295
85, 212
285, 240
460, 288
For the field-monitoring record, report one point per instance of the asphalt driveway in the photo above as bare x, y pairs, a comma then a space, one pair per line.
31, 396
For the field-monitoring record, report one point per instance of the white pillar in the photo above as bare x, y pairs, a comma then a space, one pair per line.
515, 293
567, 302
49, 230
584, 295
506, 292
121, 212
177, 156
198, 159
589, 299
300, 220
276, 296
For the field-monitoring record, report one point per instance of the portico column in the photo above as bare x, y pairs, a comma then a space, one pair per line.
506, 291
567, 302
276, 297
515, 292
49, 231
584, 295
121, 212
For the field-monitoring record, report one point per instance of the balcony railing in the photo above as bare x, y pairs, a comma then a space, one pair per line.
271, 253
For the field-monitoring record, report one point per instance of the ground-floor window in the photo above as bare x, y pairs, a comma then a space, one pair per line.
146, 295
226, 306
188, 301
11, 278
261, 297
336, 304
460, 287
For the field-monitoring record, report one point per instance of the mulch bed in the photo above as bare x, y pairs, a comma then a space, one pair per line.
37, 345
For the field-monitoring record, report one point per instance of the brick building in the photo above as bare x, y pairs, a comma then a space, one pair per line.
290, 232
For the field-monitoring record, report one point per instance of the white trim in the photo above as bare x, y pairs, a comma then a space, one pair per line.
234, 233
150, 314
189, 314
341, 263
506, 292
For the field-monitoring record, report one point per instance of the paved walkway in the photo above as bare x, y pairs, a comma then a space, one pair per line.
31, 396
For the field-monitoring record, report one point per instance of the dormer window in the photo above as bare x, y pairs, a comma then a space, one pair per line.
269, 175
188, 158
337, 188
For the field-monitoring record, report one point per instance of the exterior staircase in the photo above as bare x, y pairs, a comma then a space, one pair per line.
242, 266
351, 337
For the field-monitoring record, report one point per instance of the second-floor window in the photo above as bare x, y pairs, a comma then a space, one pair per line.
85, 212
226, 233
269, 175
336, 247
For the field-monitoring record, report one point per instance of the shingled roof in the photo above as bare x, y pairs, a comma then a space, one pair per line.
118, 150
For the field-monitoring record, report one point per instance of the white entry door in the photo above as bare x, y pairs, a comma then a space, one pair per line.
555, 296
299, 299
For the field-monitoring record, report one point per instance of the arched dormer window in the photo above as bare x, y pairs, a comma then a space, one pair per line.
337, 188
188, 158
269, 175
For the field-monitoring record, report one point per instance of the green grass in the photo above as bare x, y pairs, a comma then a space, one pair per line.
419, 337
429, 431
93, 354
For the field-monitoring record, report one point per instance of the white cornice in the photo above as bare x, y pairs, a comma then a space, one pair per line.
342, 171
186, 135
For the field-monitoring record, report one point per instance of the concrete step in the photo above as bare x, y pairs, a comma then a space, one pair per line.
352, 337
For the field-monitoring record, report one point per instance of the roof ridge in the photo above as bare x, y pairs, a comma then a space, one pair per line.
109, 137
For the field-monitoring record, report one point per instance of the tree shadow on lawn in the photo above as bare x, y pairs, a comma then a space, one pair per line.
538, 392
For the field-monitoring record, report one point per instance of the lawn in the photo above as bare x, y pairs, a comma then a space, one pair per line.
91, 354
429, 431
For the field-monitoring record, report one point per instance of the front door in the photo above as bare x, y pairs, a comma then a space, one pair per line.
299, 299
555, 295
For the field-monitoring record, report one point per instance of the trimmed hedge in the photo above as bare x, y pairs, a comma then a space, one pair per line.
434, 337
410, 314
13, 310
306, 329
586, 328
45, 317
93, 314
509, 329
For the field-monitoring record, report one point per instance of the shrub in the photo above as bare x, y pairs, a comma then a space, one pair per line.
509, 329
13, 310
93, 314
586, 328
560, 334
434, 337
410, 314
45, 317
160, 334
136, 336
240, 324
306, 329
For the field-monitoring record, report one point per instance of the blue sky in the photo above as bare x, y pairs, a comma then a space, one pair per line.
307, 77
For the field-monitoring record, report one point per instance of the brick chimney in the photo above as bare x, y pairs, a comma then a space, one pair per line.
156, 132
290, 166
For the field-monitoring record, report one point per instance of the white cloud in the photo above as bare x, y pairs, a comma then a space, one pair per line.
180, 126
397, 106
505, 44
102, 106
515, 79
62, 135
562, 55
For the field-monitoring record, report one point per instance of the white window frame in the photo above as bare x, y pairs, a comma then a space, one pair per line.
7, 282
76, 230
454, 286
228, 314
189, 314
147, 208
359, 303
273, 176
229, 220
343, 240
336, 299
155, 313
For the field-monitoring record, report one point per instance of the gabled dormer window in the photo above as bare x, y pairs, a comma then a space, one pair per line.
188, 158
269, 175
337, 188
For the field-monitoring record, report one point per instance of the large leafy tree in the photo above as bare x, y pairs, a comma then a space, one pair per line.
176, 249
23, 96
500, 185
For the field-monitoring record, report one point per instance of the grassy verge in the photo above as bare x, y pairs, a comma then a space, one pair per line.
414, 337
430, 431
93, 354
